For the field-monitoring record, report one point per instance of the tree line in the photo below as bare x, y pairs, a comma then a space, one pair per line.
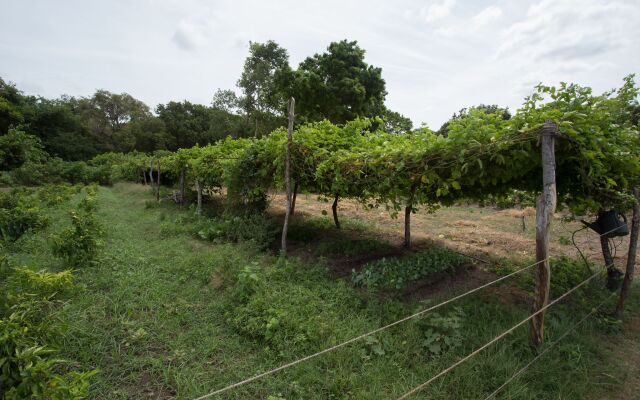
337, 85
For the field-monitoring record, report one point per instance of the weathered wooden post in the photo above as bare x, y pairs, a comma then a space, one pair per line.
545, 208
631, 258
334, 210
287, 177
407, 218
158, 181
295, 195
199, 192
151, 174
182, 183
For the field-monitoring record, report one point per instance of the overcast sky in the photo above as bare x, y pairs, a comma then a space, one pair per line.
436, 56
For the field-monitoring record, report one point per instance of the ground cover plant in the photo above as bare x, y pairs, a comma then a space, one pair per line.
179, 316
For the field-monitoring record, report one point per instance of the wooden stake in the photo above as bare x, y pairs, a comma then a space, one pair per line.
407, 219
287, 177
631, 258
182, 183
293, 201
334, 210
158, 182
199, 191
545, 209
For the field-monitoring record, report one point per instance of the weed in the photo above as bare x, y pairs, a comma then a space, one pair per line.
396, 272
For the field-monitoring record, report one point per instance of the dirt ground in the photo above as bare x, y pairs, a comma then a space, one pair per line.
480, 231
483, 232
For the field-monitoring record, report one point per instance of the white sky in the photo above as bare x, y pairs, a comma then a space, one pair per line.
437, 56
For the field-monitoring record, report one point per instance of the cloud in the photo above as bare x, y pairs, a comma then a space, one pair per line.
437, 10
487, 15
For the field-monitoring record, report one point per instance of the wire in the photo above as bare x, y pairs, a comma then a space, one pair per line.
573, 240
355, 339
549, 347
494, 340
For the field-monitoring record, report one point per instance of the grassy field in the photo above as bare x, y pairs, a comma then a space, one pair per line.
167, 314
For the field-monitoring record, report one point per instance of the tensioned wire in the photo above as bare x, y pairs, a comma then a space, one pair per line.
429, 309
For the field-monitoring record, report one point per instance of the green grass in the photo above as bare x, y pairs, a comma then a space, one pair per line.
165, 315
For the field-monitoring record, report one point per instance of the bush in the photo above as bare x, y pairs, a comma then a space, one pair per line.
29, 368
78, 245
19, 215
253, 228
395, 272
54, 194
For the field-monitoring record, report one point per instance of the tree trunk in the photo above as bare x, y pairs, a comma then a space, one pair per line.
631, 258
182, 183
199, 191
407, 218
287, 179
158, 182
144, 177
293, 200
545, 209
334, 209
151, 173
407, 226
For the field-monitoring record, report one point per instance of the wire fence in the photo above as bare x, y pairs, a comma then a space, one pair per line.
415, 315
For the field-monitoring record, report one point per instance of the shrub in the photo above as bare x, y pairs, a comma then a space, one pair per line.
395, 272
28, 366
54, 194
78, 244
442, 332
18, 215
253, 228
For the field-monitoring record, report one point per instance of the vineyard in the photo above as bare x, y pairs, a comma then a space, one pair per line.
178, 278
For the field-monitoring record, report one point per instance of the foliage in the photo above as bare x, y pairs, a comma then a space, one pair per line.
17, 148
338, 85
394, 273
29, 365
263, 100
18, 215
78, 245
253, 228
443, 333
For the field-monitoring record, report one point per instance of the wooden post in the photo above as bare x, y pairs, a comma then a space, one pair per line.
295, 194
158, 182
151, 173
334, 209
545, 209
144, 176
407, 219
182, 183
287, 177
631, 258
199, 191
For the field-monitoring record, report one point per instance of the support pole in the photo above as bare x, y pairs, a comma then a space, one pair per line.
287, 177
631, 258
295, 195
199, 191
158, 182
334, 210
545, 209
182, 183
407, 218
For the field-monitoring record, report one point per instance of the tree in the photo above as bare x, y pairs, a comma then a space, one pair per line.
338, 85
395, 122
17, 148
11, 103
226, 100
185, 122
144, 134
464, 112
263, 100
